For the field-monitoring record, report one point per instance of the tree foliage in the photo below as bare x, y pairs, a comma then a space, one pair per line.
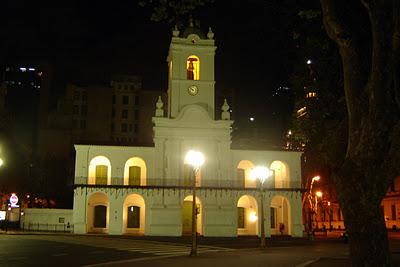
175, 11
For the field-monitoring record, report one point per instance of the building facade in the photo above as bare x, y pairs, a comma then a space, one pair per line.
147, 190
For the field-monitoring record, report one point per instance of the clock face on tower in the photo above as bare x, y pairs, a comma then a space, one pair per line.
193, 90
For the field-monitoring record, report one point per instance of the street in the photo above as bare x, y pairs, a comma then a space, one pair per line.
74, 250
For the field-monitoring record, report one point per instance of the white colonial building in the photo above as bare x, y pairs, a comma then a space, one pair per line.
146, 190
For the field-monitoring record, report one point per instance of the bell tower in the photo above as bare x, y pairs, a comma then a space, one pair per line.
191, 70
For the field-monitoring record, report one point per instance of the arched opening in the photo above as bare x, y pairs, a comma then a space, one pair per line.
187, 216
280, 216
135, 172
134, 211
281, 174
193, 68
99, 171
243, 171
247, 216
98, 213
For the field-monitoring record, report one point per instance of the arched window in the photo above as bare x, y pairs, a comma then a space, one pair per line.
99, 171
135, 172
281, 174
243, 176
193, 68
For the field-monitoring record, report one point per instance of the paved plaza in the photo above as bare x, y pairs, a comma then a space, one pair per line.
34, 249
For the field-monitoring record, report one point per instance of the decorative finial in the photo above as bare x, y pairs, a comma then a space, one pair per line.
225, 115
159, 108
175, 31
210, 33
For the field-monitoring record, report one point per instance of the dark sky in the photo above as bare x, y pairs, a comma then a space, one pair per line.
86, 41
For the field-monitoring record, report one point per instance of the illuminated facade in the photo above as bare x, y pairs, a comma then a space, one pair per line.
146, 190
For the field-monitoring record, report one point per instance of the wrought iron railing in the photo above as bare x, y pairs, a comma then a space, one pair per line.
47, 227
223, 183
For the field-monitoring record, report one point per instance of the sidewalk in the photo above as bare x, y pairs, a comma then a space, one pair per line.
241, 242
323, 251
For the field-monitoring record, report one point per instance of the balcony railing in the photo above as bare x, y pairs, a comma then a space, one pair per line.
224, 183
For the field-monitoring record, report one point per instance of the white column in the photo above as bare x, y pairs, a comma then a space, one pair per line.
79, 211
296, 216
116, 214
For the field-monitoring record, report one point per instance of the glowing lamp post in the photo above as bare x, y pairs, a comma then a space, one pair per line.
312, 206
315, 178
196, 160
318, 194
261, 173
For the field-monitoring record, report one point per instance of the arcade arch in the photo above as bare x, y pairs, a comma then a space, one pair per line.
187, 216
98, 213
280, 216
247, 216
134, 214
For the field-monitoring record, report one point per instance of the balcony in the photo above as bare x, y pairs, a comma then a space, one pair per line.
181, 183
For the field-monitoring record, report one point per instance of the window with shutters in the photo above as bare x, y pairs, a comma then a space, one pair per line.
241, 177
134, 175
101, 174
187, 175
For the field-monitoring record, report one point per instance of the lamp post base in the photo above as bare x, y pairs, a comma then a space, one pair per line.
263, 243
193, 253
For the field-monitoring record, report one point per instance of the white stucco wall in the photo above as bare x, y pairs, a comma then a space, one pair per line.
47, 219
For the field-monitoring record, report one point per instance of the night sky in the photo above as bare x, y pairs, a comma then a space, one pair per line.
87, 41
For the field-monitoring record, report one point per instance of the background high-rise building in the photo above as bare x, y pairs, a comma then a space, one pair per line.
24, 105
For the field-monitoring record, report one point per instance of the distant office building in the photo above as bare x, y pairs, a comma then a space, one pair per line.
112, 114
24, 98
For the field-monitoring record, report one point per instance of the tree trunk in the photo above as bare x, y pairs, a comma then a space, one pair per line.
360, 200
366, 228
368, 245
370, 162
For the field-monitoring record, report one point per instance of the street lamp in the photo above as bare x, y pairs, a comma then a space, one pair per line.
311, 202
315, 178
330, 216
261, 173
196, 160
317, 195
